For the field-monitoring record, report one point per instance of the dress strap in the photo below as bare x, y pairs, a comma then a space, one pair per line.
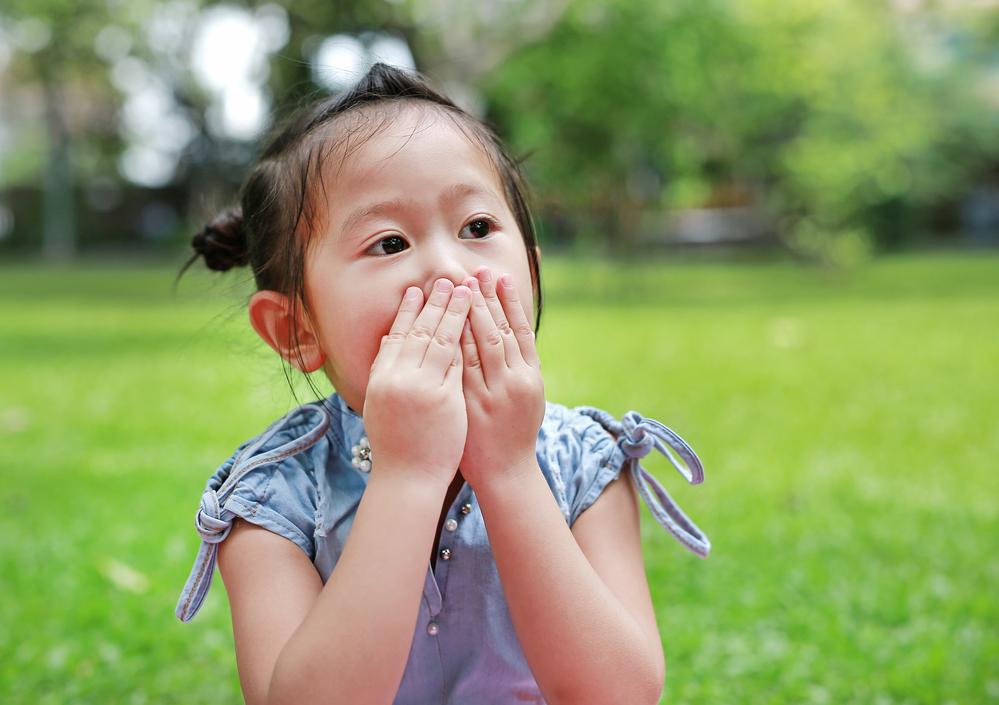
214, 522
637, 436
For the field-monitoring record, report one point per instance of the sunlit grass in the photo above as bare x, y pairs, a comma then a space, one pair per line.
848, 424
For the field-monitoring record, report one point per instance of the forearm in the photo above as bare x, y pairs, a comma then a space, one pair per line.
581, 643
354, 644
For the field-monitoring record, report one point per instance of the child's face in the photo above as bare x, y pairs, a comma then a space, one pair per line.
357, 270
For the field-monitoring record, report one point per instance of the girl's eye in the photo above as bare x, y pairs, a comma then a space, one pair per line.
394, 244
481, 227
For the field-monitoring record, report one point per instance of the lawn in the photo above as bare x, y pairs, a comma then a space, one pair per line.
848, 425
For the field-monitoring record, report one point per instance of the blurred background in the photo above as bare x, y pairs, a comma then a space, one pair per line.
828, 129
783, 215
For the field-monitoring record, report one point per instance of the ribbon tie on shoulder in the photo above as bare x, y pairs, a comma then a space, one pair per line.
637, 437
214, 522
208, 520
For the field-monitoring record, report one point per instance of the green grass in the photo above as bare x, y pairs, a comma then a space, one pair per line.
848, 424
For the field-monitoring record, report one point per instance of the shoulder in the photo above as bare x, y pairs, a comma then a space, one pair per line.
285, 438
270, 479
579, 453
579, 431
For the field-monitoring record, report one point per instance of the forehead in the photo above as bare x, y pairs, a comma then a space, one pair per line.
403, 143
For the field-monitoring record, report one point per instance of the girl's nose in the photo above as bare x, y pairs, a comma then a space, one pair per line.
442, 256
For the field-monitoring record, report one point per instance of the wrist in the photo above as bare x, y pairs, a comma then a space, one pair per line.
410, 481
512, 476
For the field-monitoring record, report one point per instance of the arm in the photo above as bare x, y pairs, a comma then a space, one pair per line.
350, 640
300, 642
583, 637
585, 642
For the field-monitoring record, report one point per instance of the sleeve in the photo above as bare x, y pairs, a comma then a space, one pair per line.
280, 497
594, 448
592, 460
269, 481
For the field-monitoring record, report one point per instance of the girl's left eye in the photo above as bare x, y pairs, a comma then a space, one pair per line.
481, 226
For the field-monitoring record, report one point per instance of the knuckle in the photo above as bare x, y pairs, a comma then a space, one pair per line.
396, 336
495, 338
471, 358
524, 330
420, 332
444, 338
504, 326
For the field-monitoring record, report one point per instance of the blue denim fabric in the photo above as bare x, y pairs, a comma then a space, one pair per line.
296, 479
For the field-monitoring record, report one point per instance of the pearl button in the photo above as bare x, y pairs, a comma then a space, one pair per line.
451, 524
466, 508
446, 554
432, 628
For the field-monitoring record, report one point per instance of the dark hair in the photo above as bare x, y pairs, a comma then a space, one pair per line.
271, 228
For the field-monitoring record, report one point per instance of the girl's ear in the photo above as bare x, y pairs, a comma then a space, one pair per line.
270, 316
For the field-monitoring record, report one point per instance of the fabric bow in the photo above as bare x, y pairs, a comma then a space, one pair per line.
208, 521
214, 522
637, 436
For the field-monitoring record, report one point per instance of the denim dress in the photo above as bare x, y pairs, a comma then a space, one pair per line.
303, 478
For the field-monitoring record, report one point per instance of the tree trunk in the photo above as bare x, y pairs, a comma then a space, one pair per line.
58, 204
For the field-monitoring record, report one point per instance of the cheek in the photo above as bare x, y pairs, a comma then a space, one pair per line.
353, 335
526, 294
527, 303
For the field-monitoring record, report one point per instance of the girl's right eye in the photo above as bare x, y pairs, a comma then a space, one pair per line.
394, 247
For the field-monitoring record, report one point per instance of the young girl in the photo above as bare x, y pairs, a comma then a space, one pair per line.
393, 249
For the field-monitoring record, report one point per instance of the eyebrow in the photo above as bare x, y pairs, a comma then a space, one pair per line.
452, 193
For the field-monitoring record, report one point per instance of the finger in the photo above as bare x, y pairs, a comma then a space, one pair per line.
380, 355
442, 346
472, 374
487, 283
391, 344
420, 333
522, 329
488, 339
456, 369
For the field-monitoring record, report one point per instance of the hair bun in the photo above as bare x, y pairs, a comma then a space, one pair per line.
222, 242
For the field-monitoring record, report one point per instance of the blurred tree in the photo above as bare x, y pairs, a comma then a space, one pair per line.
57, 60
842, 121
56, 53
814, 111
118, 83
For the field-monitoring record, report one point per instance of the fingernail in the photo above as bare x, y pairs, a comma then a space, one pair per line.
443, 285
506, 280
461, 292
485, 275
412, 292
473, 283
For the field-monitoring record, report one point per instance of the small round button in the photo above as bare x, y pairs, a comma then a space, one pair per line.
446, 554
432, 628
451, 524
466, 508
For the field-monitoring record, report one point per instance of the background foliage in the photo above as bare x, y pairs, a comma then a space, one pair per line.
846, 128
